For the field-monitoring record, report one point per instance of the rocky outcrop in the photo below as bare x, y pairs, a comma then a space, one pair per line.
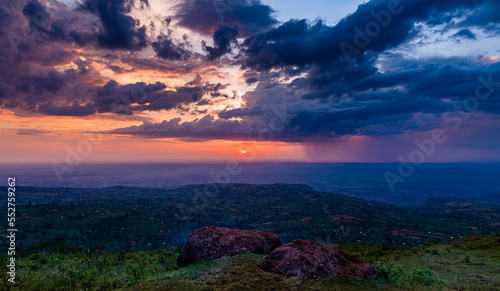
310, 259
212, 242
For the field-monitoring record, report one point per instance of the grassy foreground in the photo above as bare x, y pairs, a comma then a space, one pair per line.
471, 263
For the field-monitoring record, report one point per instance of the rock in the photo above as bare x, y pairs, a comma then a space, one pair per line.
310, 259
212, 242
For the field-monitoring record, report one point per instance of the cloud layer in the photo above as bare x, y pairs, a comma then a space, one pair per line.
306, 80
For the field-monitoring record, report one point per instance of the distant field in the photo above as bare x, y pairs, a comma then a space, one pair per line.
462, 180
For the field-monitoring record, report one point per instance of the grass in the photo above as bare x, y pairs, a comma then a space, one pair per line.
242, 273
472, 263
90, 271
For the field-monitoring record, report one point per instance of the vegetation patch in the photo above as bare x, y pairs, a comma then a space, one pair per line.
471, 263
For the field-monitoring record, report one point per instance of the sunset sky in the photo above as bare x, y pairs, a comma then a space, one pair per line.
316, 81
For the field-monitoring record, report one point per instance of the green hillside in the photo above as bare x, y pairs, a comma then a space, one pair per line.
125, 218
471, 263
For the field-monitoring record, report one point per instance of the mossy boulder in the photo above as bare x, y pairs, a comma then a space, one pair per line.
310, 259
212, 242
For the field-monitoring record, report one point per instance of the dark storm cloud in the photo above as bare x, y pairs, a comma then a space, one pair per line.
118, 29
50, 92
182, 95
5, 18
109, 25
465, 33
435, 78
206, 128
224, 36
350, 121
395, 102
117, 98
29, 56
36, 13
71, 27
485, 16
308, 86
41, 85
73, 110
126, 99
165, 48
341, 59
204, 16
52, 83
59, 32
298, 43
393, 118
389, 112
3, 91
42, 35
453, 78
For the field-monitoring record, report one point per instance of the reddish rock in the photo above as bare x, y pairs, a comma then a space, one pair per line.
212, 242
310, 259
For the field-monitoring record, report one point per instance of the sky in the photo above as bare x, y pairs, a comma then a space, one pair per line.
270, 80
